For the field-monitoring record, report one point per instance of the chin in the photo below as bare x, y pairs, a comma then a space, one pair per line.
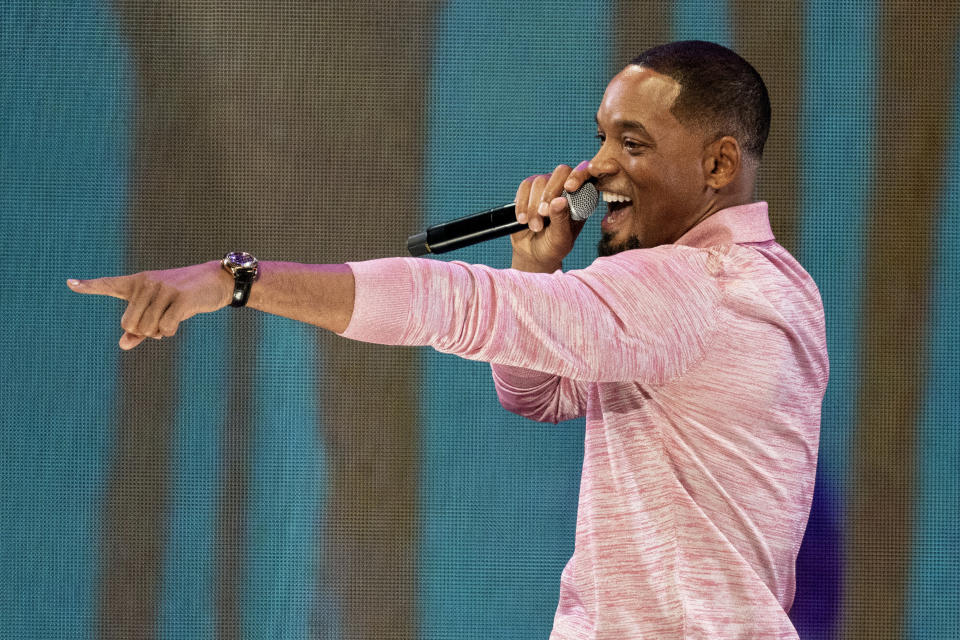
609, 246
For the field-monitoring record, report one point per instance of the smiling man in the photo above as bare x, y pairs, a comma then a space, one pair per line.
694, 345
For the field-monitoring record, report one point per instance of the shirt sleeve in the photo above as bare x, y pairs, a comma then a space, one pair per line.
643, 315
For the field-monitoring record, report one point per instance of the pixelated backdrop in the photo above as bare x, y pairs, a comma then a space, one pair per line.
254, 477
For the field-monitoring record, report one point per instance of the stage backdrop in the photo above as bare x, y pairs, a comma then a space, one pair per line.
254, 477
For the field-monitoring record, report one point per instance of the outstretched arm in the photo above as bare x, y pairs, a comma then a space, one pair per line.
321, 295
158, 301
634, 316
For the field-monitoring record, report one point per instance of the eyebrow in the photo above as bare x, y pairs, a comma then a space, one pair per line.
628, 124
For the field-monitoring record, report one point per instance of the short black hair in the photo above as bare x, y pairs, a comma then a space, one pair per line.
720, 92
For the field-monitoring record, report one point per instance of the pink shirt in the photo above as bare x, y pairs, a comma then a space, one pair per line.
701, 368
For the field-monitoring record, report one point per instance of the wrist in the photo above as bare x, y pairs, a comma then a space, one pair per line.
226, 281
244, 269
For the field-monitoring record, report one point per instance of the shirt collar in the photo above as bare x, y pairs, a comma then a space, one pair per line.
733, 225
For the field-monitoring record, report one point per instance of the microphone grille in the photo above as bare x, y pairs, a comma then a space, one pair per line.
583, 201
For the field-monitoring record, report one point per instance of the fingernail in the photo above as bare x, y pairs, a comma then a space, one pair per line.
583, 165
522, 218
542, 209
73, 283
569, 185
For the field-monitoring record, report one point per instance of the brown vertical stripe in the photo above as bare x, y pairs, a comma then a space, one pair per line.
917, 42
180, 213
770, 36
294, 131
229, 553
371, 63
310, 120
638, 25
136, 494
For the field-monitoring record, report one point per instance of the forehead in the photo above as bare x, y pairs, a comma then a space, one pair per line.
639, 94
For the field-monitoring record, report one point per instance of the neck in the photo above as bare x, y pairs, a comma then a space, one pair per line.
723, 199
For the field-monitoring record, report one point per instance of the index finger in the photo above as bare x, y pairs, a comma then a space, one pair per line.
555, 183
116, 286
577, 177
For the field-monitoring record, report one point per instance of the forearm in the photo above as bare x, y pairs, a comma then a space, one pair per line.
522, 379
318, 294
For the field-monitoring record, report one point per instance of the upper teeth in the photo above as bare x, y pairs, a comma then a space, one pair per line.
614, 197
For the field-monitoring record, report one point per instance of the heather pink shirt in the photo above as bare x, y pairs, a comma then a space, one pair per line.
700, 366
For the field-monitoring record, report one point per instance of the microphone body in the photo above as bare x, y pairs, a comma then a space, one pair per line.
492, 223
468, 230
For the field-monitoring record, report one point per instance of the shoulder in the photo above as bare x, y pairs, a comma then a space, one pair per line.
671, 262
664, 287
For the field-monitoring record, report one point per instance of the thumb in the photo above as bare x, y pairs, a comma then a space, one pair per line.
559, 212
129, 341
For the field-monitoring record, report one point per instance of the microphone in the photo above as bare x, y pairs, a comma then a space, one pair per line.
493, 223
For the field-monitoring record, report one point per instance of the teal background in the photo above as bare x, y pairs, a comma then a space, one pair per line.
65, 143
508, 98
513, 88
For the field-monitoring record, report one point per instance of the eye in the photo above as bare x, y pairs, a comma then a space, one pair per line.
634, 146
600, 137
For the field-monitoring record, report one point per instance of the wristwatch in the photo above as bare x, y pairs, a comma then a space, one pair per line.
245, 269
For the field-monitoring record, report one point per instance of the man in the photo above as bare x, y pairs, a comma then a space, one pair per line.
694, 345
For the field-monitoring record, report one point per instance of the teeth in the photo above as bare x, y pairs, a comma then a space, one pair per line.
614, 197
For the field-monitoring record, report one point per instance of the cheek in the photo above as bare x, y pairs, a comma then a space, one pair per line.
663, 173
664, 179
647, 173
684, 178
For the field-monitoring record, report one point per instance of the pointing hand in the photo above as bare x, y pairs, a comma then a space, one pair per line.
158, 301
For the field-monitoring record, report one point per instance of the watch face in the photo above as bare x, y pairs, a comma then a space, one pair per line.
241, 260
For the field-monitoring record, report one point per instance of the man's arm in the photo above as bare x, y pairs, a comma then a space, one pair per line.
158, 301
542, 397
539, 396
635, 316
321, 295
318, 294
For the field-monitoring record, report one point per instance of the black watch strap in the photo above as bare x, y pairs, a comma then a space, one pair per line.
242, 283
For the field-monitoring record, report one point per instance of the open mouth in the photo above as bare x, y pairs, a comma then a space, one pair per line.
619, 208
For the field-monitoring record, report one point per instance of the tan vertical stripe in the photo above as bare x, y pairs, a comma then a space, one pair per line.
294, 131
770, 36
230, 550
916, 69
638, 25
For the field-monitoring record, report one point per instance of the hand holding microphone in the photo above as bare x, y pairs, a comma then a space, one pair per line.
543, 221
552, 227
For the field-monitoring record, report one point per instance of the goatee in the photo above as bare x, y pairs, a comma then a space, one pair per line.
607, 247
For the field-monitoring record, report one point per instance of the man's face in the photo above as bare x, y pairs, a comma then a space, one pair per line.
649, 166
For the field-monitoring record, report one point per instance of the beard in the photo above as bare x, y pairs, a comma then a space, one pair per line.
607, 247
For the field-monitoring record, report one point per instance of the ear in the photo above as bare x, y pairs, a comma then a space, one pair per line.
722, 160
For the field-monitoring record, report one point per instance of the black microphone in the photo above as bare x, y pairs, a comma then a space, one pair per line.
493, 223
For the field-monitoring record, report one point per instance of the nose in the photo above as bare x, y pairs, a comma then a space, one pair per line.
602, 164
